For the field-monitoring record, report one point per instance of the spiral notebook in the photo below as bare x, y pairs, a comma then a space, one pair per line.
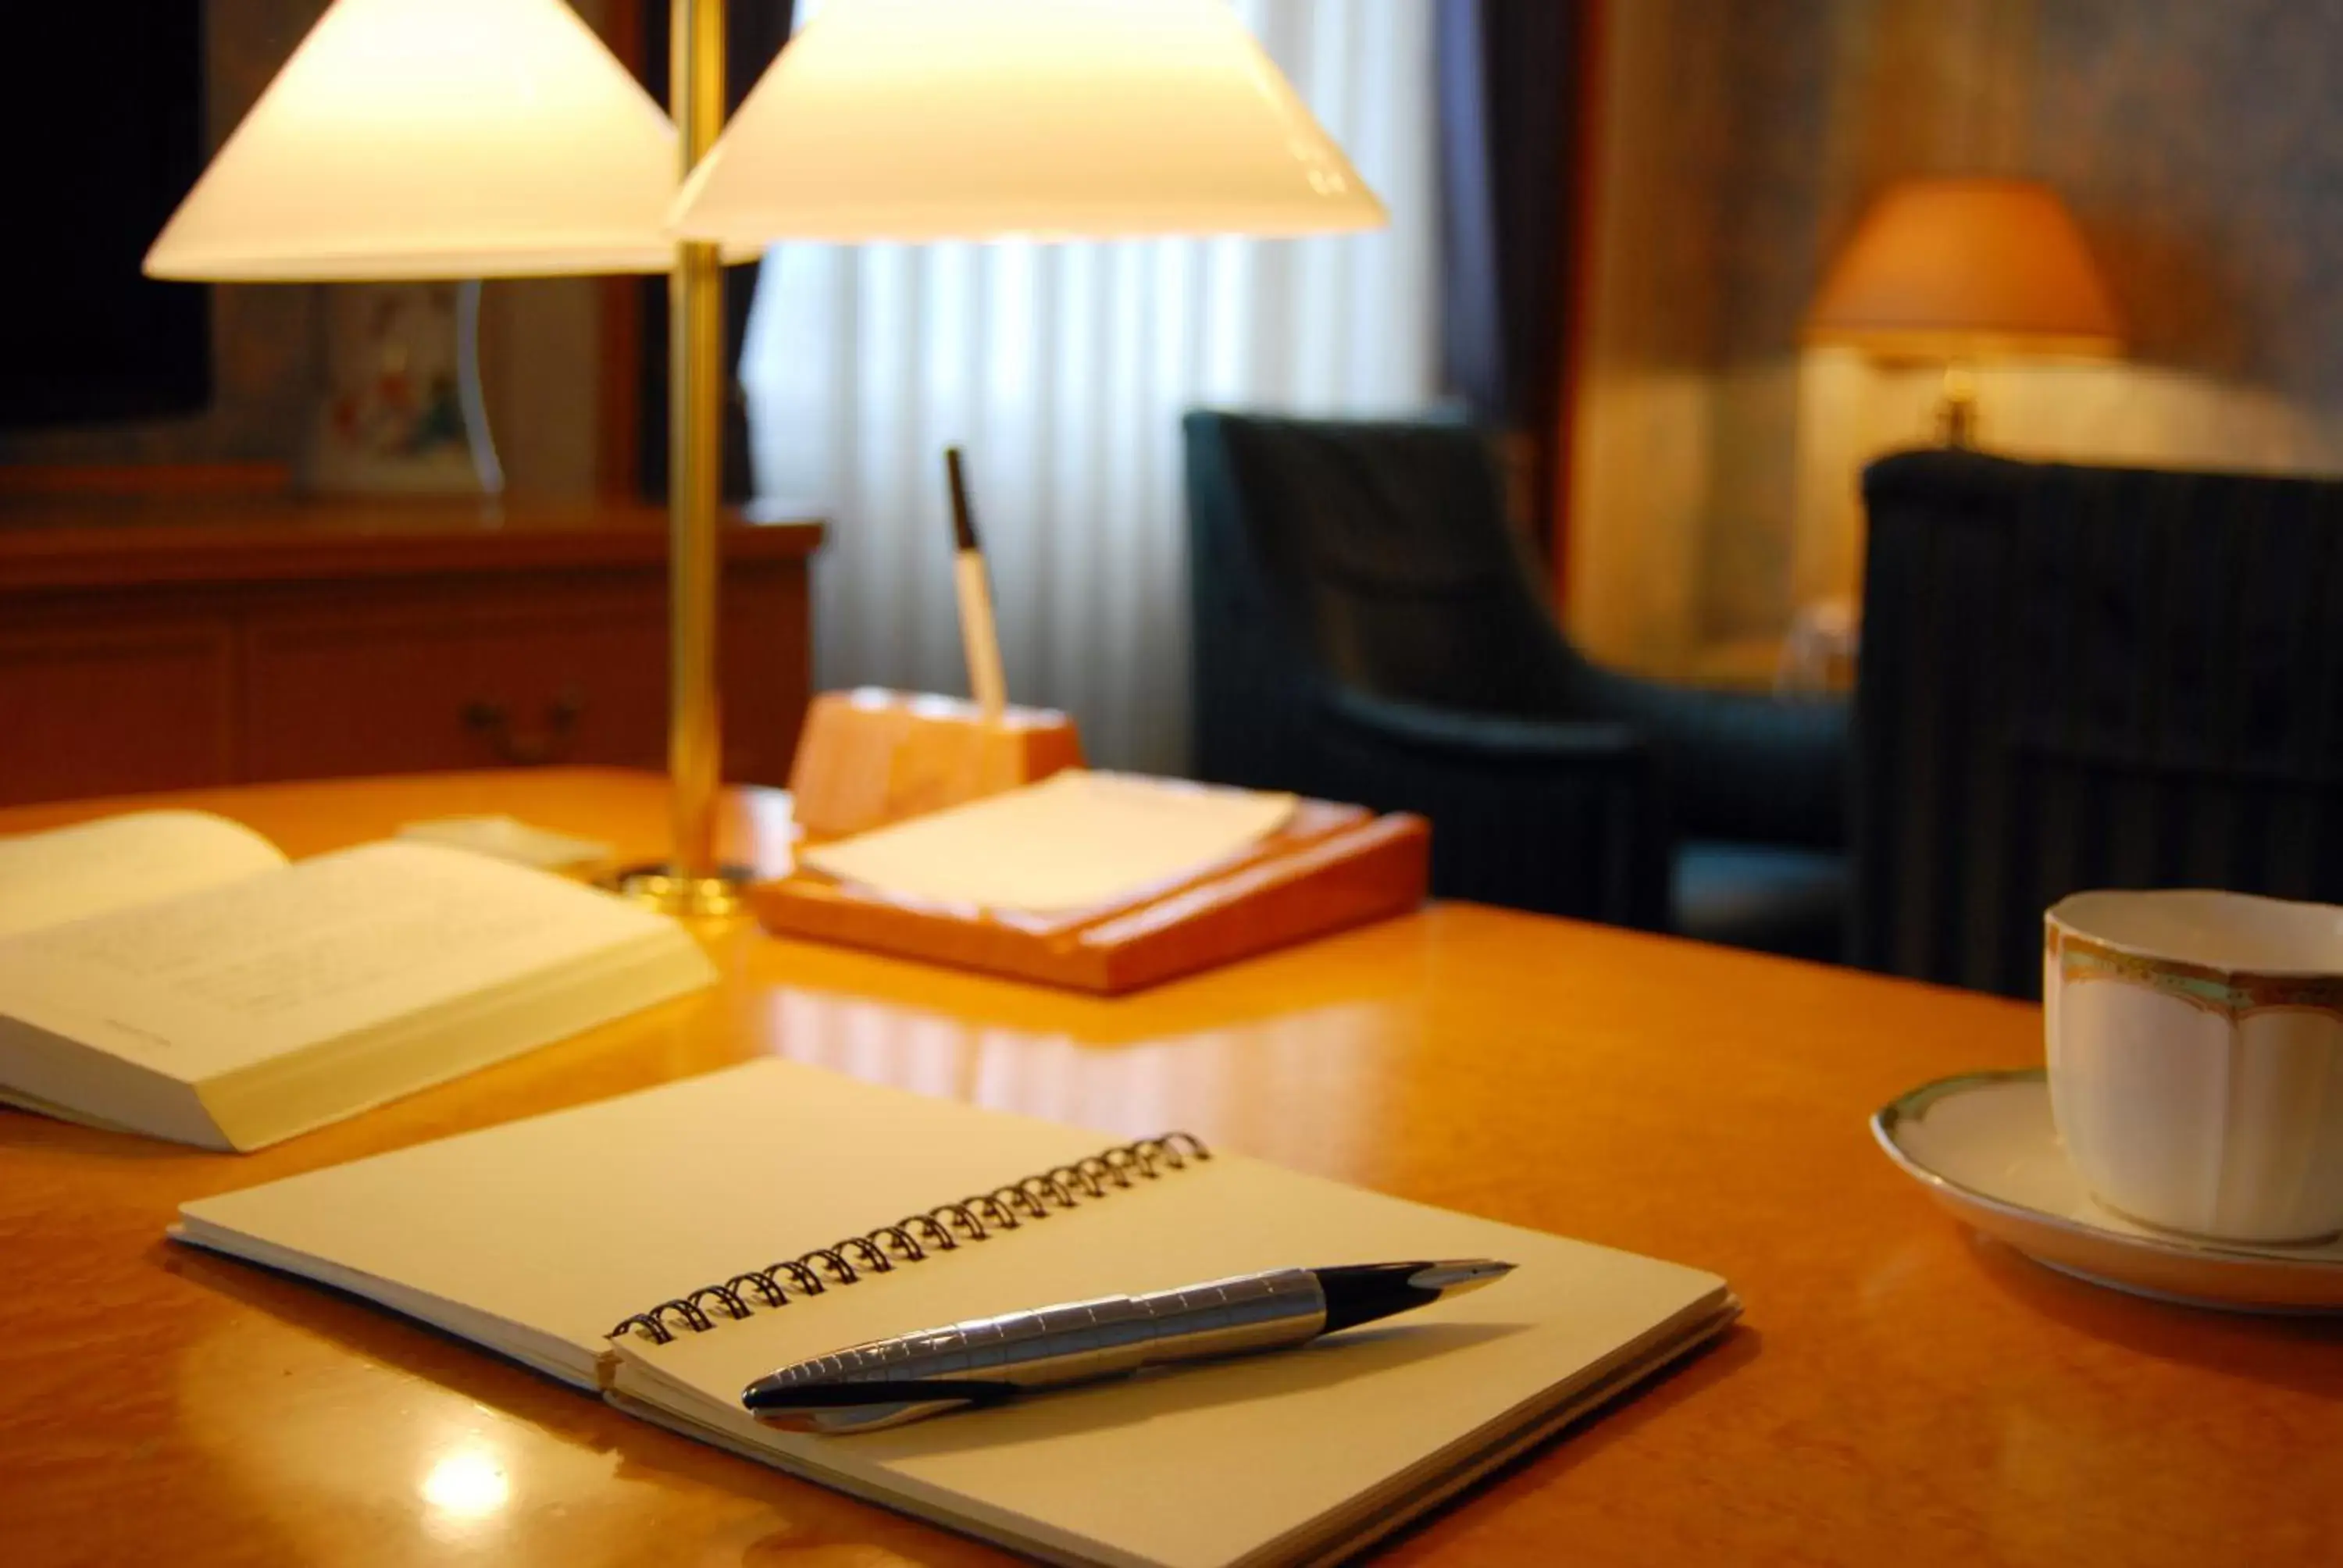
665, 1248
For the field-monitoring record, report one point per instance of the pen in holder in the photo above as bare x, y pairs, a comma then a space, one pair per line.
980, 639
869, 758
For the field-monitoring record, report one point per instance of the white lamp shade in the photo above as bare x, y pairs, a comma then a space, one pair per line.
942, 119
436, 138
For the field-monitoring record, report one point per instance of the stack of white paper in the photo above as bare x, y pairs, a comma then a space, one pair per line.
1075, 840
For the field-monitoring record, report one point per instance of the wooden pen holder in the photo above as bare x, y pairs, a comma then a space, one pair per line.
868, 757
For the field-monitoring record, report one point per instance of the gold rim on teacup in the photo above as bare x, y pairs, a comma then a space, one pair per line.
2233, 993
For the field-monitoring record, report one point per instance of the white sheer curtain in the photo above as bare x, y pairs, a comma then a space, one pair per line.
1063, 369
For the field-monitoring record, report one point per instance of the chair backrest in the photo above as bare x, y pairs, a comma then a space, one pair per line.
2076, 678
1373, 554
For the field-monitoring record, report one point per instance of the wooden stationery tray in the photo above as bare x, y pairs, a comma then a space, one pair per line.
1329, 867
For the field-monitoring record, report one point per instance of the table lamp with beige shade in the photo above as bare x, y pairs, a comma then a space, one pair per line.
1954, 270
415, 139
469, 139
920, 120
472, 138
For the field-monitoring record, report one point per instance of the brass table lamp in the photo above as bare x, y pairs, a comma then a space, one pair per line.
483, 138
468, 138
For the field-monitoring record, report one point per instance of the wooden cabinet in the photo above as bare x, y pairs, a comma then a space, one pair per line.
313, 641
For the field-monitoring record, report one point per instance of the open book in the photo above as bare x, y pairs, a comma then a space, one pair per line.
169, 972
591, 1244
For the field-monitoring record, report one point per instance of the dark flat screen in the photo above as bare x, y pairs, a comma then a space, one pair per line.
103, 124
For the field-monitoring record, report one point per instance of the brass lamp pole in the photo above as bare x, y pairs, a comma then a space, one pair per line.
693, 882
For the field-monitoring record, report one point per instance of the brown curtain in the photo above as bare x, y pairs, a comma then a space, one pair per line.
754, 32
1508, 74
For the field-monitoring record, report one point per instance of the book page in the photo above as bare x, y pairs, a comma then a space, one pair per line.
508, 839
91, 867
212, 981
1075, 840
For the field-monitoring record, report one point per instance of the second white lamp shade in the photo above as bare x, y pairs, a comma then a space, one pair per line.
976, 119
435, 138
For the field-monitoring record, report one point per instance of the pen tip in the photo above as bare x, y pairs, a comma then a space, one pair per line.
1454, 1276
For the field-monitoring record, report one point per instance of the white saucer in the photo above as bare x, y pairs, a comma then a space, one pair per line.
1984, 1147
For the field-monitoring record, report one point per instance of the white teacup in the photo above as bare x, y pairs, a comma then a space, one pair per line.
2196, 1043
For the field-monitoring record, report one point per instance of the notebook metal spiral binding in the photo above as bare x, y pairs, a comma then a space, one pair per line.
909, 1239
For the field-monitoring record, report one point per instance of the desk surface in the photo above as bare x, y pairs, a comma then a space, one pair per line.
1900, 1392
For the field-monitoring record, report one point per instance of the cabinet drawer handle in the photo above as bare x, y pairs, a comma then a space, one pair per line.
526, 748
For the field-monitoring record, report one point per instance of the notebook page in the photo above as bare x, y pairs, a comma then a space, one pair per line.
91, 868
213, 980
568, 1222
1200, 1465
1075, 840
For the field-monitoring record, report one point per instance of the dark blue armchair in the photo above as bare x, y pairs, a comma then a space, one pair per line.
1367, 628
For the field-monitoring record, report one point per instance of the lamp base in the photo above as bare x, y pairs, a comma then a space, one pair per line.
659, 887
1956, 407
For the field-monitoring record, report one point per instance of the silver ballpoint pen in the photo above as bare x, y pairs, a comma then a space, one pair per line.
887, 1383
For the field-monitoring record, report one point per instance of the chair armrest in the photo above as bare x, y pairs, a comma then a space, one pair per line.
1562, 818
1489, 737
1742, 765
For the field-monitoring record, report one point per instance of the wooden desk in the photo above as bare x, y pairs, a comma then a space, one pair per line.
1900, 1392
